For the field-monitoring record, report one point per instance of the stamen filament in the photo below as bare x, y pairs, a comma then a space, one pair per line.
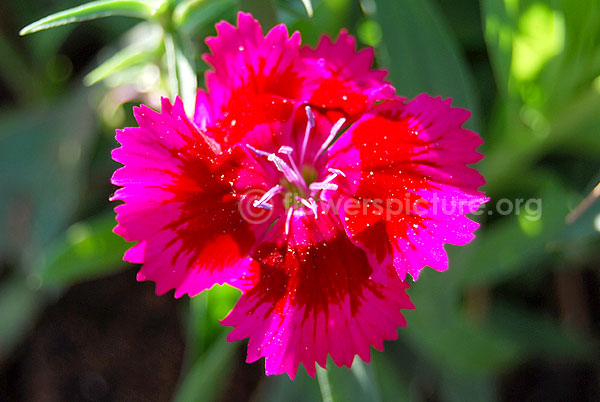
287, 150
326, 184
290, 174
337, 171
334, 130
283, 167
323, 186
257, 151
288, 219
263, 201
309, 126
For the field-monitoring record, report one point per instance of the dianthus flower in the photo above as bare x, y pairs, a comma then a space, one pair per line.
305, 182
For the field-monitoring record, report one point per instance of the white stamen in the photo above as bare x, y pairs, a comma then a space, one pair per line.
326, 184
310, 204
310, 124
263, 201
257, 151
264, 205
337, 171
290, 174
310, 115
323, 186
334, 130
283, 167
288, 219
287, 150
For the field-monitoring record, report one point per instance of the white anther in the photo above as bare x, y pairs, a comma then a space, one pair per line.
310, 115
286, 150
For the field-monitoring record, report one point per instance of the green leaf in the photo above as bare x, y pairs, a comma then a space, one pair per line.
42, 151
15, 72
205, 380
472, 388
439, 331
458, 345
190, 15
171, 62
537, 335
187, 80
144, 49
123, 59
309, 8
206, 310
423, 55
324, 385
18, 305
96, 9
181, 74
279, 388
492, 258
499, 31
393, 386
351, 385
87, 250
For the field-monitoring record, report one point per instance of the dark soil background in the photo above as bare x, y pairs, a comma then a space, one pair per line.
113, 339
105, 340
108, 340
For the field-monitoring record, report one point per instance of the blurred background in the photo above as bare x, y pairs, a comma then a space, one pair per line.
517, 316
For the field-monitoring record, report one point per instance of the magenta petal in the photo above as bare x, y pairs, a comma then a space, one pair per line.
340, 77
407, 167
180, 204
243, 57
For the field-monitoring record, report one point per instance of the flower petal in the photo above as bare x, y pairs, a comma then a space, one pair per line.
409, 181
341, 78
315, 296
181, 203
253, 81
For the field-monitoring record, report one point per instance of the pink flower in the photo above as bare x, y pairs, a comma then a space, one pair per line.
304, 181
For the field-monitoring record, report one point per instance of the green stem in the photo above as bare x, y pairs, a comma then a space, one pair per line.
323, 380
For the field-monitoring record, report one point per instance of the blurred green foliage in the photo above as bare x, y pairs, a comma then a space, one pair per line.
529, 70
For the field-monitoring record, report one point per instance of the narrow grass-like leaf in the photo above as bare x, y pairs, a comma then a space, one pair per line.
171, 61
123, 59
94, 10
205, 380
186, 78
324, 385
309, 8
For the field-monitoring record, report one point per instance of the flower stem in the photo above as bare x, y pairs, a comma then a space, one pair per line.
323, 379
